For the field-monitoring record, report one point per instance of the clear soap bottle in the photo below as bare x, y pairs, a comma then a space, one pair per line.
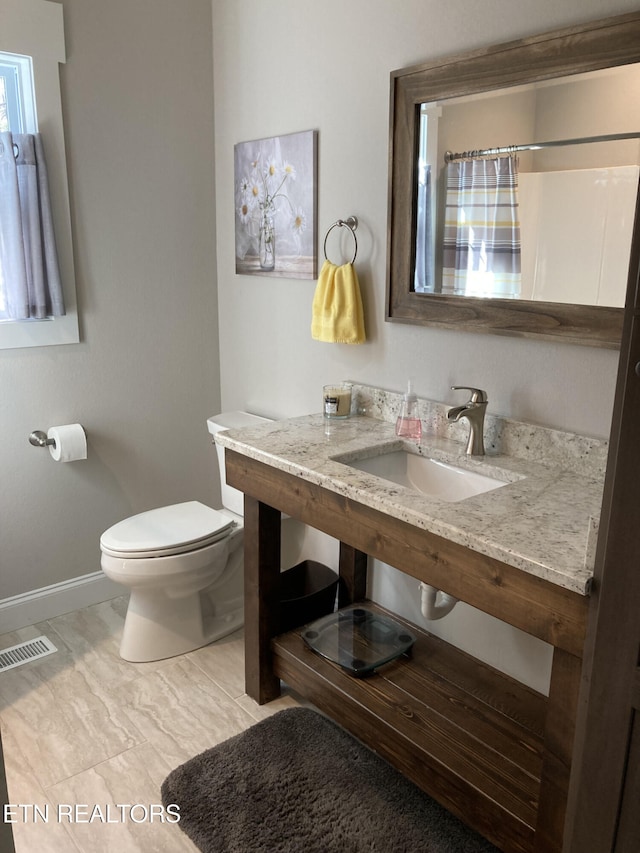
409, 424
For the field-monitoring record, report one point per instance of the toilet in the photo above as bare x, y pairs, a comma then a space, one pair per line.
183, 565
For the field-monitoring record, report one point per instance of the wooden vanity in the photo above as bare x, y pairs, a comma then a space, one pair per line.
493, 751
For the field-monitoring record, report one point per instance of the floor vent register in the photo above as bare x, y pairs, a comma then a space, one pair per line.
25, 652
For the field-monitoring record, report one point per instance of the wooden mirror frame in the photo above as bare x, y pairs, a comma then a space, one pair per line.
600, 44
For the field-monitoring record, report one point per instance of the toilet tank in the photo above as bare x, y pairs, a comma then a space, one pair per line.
232, 499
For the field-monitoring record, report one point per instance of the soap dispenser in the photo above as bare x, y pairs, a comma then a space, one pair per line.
409, 424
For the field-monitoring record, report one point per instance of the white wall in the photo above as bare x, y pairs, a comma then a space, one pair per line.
137, 103
288, 66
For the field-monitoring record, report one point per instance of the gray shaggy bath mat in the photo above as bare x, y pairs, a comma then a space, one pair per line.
297, 783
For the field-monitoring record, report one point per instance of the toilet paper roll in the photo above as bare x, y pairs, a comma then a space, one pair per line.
70, 443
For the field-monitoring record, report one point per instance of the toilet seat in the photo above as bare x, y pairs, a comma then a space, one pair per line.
166, 531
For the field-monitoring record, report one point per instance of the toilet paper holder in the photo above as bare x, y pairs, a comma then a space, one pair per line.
40, 439
66, 443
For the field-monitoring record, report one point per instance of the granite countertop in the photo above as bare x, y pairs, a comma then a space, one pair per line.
544, 521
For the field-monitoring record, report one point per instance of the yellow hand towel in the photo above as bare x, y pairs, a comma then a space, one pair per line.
337, 315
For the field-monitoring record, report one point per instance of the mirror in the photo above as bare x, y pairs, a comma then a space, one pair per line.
566, 197
559, 271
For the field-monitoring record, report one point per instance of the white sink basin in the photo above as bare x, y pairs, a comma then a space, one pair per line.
428, 476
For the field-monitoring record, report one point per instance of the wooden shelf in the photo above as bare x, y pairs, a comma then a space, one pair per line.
469, 736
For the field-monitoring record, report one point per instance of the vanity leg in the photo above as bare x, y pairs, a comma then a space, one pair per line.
353, 575
261, 597
558, 748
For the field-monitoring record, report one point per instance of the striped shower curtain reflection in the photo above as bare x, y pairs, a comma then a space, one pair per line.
482, 229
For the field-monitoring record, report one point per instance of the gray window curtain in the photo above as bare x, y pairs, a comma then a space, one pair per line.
482, 228
29, 273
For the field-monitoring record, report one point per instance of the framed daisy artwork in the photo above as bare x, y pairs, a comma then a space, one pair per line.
276, 205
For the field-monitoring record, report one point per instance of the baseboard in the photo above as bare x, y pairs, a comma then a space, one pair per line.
29, 608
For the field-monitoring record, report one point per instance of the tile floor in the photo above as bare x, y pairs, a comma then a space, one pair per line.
84, 728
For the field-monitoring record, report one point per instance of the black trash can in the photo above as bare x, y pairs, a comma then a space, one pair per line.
307, 592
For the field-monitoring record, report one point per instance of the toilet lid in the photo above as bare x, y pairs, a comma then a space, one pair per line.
166, 530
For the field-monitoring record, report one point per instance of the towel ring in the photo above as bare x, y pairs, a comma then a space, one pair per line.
351, 223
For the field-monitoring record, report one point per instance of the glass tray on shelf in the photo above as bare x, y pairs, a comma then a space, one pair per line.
358, 639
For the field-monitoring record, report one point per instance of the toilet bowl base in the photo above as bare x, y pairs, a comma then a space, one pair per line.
157, 627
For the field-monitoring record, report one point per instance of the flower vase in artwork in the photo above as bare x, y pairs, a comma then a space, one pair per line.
267, 246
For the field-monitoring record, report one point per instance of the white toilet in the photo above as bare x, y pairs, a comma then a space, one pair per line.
184, 567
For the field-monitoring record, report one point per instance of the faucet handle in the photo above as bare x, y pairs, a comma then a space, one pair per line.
477, 394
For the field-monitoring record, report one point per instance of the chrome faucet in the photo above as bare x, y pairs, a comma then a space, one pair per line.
473, 411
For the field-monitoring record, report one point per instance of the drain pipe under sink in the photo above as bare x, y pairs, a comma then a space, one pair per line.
432, 610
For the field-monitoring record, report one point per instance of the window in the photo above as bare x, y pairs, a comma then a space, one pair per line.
17, 114
426, 210
17, 101
31, 48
